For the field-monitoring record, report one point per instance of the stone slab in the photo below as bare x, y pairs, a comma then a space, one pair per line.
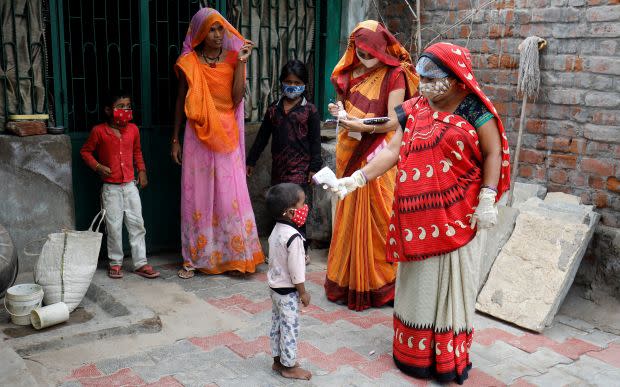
496, 238
13, 369
39, 199
535, 269
521, 192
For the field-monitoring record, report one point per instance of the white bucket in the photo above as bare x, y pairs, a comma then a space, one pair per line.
20, 300
49, 315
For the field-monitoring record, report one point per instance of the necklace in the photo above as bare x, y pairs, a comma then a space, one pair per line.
211, 61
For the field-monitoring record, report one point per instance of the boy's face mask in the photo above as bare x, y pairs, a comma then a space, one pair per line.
300, 215
122, 116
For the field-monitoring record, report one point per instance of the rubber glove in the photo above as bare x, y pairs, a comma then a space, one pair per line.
486, 212
346, 185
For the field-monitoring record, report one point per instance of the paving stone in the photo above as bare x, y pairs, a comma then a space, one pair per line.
560, 332
207, 365
398, 379
497, 352
587, 366
555, 377
169, 351
600, 338
509, 371
346, 376
71, 383
542, 359
112, 365
122, 377
573, 322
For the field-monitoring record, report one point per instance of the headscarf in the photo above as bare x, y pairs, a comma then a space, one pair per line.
199, 29
457, 60
202, 115
372, 37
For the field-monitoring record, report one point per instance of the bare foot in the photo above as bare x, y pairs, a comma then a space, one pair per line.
296, 373
278, 367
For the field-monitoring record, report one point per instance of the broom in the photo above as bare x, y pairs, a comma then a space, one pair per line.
527, 86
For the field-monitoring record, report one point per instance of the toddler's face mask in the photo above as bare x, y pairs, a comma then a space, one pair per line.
300, 215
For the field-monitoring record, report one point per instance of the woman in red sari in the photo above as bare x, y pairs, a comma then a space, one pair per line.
453, 163
373, 76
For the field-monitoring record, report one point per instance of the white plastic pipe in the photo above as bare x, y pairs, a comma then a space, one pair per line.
49, 315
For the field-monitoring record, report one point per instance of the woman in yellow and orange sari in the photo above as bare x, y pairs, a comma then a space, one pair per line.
218, 230
374, 76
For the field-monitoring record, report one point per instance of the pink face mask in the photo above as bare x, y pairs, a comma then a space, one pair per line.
300, 215
122, 117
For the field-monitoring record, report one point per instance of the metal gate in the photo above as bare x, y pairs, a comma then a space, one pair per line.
133, 44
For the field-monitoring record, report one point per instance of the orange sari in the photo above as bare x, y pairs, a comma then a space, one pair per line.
357, 271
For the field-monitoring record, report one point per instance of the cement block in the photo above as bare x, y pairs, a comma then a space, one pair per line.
39, 199
521, 192
496, 238
13, 369
534, 271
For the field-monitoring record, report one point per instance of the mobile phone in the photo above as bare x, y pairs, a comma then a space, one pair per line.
375, 120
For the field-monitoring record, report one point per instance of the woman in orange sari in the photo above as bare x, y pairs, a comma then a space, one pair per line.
218, 230
373, 77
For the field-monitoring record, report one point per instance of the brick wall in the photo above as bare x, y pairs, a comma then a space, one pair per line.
572, 138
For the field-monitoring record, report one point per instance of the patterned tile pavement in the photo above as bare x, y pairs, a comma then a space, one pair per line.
346, 348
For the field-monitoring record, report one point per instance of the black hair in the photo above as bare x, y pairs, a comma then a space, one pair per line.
295, 67
114, 95
281, 197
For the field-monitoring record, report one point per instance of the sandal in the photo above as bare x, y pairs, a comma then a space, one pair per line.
147, 271
115, 272
185, 273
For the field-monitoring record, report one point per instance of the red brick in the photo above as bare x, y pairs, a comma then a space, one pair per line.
530, 342
479, 378
610, 355
251, 348
574, 348
489, 336
600, 167
613, 184
577, 179
526, 171
374, 369
122, 377
562, 161
531, 156
606, 117
536, 126
599, 199
558, 176
219, 340
553, 187
596, 182
87, 371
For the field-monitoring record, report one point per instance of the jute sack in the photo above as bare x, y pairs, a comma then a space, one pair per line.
67, 263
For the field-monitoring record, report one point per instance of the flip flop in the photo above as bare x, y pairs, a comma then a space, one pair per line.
185, 273
147, 271
115, 272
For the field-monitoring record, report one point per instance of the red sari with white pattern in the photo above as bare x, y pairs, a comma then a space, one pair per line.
430, 234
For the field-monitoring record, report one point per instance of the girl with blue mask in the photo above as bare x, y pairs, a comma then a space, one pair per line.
293, 124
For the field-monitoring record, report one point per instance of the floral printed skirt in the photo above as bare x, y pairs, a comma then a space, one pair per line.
218, 230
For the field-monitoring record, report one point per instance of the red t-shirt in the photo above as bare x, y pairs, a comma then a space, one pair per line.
120, 154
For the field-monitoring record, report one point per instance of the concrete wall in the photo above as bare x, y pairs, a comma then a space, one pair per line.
571, 141
36, 192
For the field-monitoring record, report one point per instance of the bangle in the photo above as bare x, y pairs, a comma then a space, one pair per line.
491, 187
97, 166
175, 141
374, 127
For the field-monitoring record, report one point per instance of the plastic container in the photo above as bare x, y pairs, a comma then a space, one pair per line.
49, 315
20, 300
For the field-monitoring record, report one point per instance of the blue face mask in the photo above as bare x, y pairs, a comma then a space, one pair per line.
293, 92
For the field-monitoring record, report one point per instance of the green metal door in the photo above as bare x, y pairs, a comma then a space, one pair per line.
101, 44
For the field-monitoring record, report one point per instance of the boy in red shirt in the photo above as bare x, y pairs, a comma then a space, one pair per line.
117, 145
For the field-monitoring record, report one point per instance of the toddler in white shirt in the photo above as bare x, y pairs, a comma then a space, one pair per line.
286, 276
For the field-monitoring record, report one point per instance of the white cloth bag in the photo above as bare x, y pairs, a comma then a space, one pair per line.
67, 263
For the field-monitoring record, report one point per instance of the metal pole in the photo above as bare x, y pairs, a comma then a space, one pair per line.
145, 64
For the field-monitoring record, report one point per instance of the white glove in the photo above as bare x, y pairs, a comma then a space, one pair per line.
346, 185
486, 212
